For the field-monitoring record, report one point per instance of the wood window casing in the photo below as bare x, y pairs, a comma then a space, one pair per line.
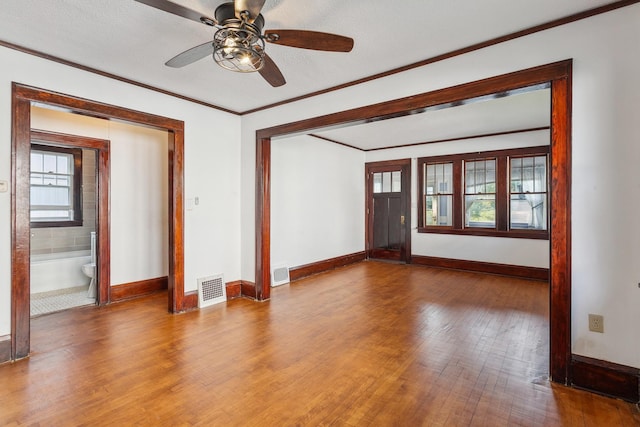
502, 195
76, 188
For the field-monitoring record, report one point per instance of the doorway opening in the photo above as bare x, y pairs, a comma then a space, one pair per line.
66, 190
23, 98
558, 75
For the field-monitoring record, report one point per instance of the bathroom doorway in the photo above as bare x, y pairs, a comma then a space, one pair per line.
67, 188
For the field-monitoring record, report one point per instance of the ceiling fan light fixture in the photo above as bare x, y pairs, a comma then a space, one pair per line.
239, 48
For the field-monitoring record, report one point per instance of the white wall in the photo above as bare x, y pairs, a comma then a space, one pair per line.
317, 201
212, 165
606, 152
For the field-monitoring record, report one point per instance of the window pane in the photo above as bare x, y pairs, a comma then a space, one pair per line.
41, 215
470, 177
377, 182
396, 181
50, 164
439, 210
63, 164
49, 179
50, 196
480, 176
480, 211
51, 192
439, 178
540, 174
529, 211
386, 182
529, 175
36, 179
36, 162
490, 176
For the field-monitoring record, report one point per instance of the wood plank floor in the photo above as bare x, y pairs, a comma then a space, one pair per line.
370, 344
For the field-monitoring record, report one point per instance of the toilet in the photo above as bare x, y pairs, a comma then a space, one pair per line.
90, 269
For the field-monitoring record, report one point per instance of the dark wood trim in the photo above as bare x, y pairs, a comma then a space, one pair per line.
76, 154
460, 138
20, 229
560, 227
559, 74
336, 142
520, 271
249, 289
234, 289
296, 273
190, 301
540, 149
477, 46
22, 97
72, 64
502, 193
5, 349
607, 378
459, 230
435, 141
262, 288
103, 189
417, 103
137, 289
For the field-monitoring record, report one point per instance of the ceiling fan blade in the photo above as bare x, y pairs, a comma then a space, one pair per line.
271, 73
179, 10
310, 40
190, 56
252, 6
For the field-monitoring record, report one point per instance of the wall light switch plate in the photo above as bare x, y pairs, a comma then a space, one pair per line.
190, 204
4, 186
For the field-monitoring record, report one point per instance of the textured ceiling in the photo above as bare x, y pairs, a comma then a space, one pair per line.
133, 40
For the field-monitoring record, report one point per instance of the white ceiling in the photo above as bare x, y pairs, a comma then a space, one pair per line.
516, 112
133, 40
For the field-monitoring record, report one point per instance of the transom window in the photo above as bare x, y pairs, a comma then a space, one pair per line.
499, 193
387, 182
55, 186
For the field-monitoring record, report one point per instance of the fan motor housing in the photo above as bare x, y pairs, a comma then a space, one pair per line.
226, 15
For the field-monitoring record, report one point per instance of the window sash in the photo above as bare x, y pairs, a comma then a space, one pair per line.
54, 189
482, 198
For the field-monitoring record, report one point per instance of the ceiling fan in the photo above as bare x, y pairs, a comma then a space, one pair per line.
239, 43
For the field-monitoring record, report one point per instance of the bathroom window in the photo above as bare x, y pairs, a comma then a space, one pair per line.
56, 185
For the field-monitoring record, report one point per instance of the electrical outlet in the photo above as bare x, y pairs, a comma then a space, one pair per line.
596, 323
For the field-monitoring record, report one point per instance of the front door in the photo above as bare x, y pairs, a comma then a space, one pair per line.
388, 210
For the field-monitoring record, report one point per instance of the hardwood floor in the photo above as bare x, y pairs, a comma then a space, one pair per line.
369, 344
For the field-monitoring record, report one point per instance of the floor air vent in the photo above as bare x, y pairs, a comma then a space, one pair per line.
211, 290
279, 275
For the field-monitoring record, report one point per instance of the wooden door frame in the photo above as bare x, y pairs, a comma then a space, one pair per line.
21, 100
559, 74
405, 166
103, 168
